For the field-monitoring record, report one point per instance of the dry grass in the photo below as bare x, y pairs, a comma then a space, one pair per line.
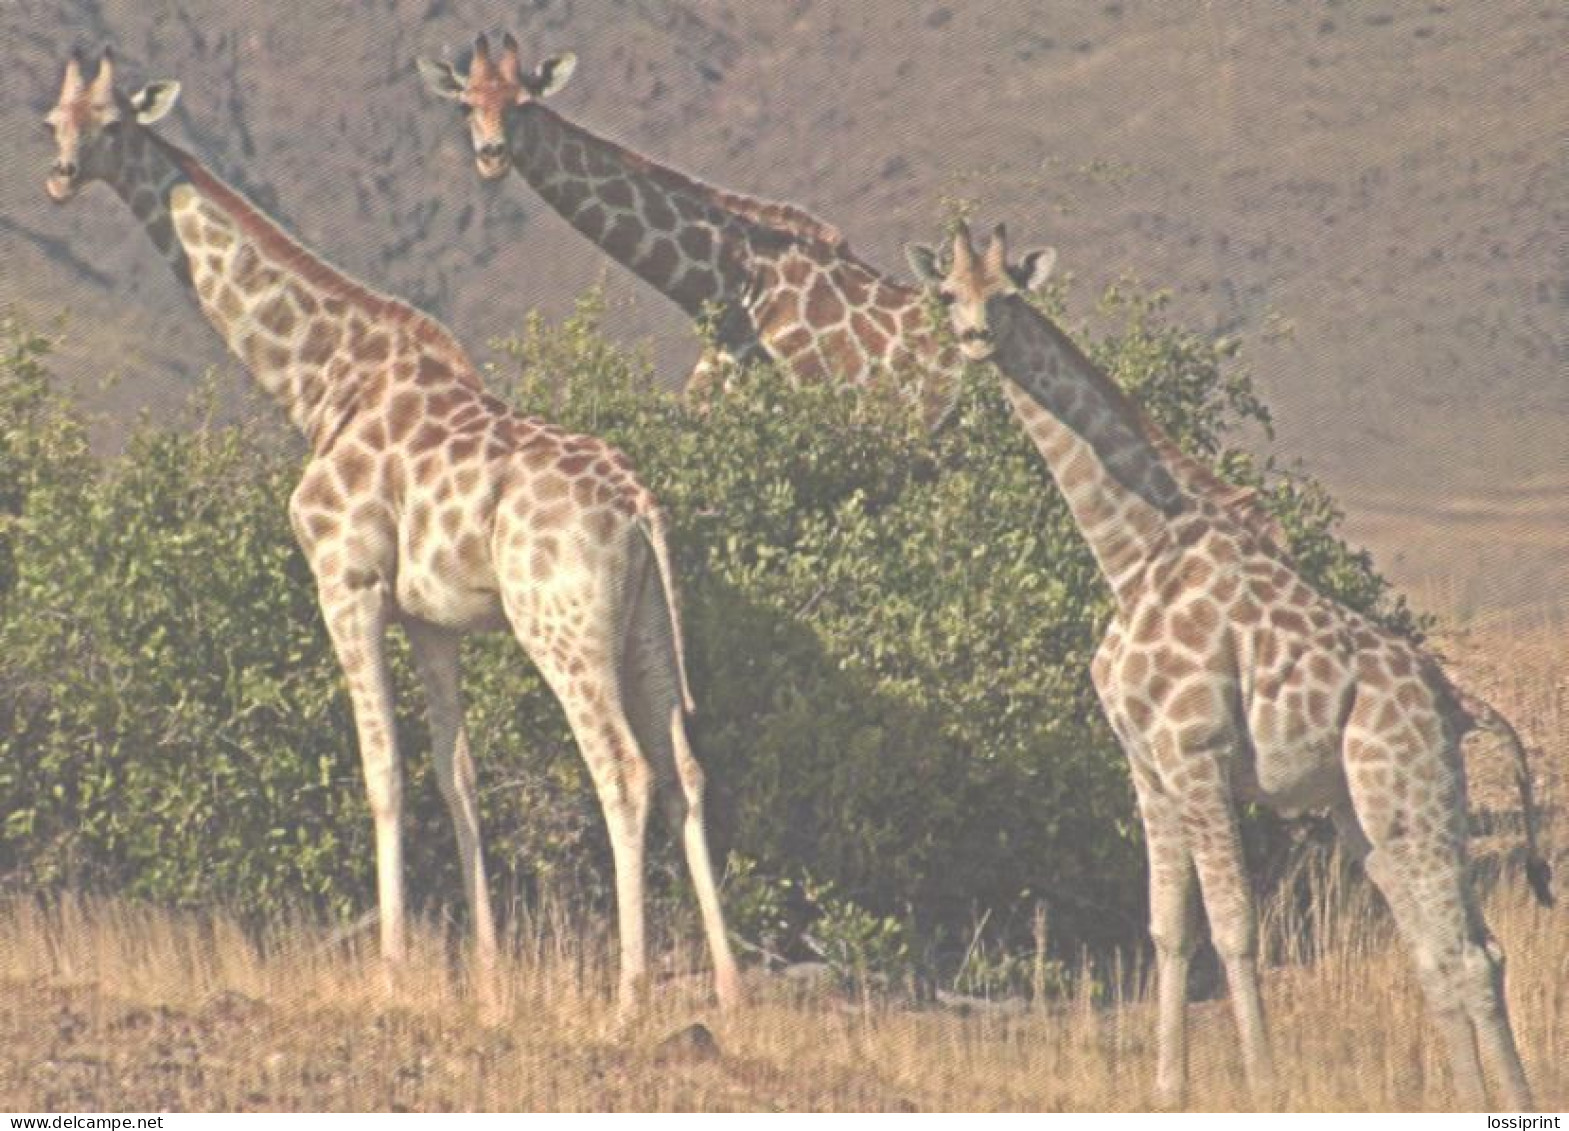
110, 1005
107, 1005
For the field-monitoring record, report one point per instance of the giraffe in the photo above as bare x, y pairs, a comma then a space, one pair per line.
428, 504
773, 282
1227, 678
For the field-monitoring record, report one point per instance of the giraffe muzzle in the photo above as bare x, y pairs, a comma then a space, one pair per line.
491, 160
62, 182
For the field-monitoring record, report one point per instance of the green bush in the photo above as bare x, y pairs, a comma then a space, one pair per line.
889, 634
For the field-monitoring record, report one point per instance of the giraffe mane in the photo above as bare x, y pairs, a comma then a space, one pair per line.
283, 247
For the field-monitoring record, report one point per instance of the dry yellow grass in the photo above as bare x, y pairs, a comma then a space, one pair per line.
109, 1005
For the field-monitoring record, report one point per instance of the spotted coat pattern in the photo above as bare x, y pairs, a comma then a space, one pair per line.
1227, 678
430, 504
784, 284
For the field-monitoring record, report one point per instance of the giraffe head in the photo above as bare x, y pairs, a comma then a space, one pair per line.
91, 121
976, 286
492, 92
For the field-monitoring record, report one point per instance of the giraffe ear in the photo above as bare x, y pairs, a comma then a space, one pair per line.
923, 261
440, 79
551, 75
1031, 272
154, 100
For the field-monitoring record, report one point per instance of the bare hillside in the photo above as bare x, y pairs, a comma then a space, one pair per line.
1384, 180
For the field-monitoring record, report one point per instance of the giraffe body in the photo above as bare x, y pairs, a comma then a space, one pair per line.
1227, 678
780, 284
427, 503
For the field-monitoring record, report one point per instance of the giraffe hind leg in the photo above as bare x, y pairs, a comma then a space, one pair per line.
571, 620
1423, 877
655, 708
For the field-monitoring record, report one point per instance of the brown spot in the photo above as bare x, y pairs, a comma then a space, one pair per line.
354, 468
249, 269
472, 555
302, 298
1400, 662
464, 448
374, 347
550, 487
794, 342
441, 403
276, 315
402, 415
451, 521
1148, 627
872, 340
584, 492
796, 270
1246, 612
1288, 620
657, 211
574, 464
823, 304
466, 479
623, 237
1196, 625
697, 242
429, 435
228, 303
617, 194
319, 526
321, 338
660, 263
569, 196
548, 518
319, 492
432, 371
696, 286
1174, 665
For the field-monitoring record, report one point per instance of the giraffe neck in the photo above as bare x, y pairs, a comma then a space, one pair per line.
656, 226
1096, 441
309, 335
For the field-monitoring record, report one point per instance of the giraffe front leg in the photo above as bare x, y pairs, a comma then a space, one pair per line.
356, 618
1172, 931
436, 655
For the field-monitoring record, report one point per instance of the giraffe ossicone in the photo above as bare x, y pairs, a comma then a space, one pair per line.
1227, 678
429, 504
785, 284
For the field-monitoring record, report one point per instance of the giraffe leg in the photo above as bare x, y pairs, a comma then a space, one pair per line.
1216, 843
658, 718
1171, 930
624, 782
1419, 865
436, 655
356, 621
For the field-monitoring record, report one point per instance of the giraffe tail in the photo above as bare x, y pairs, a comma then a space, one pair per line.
652, 523
1483, 717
